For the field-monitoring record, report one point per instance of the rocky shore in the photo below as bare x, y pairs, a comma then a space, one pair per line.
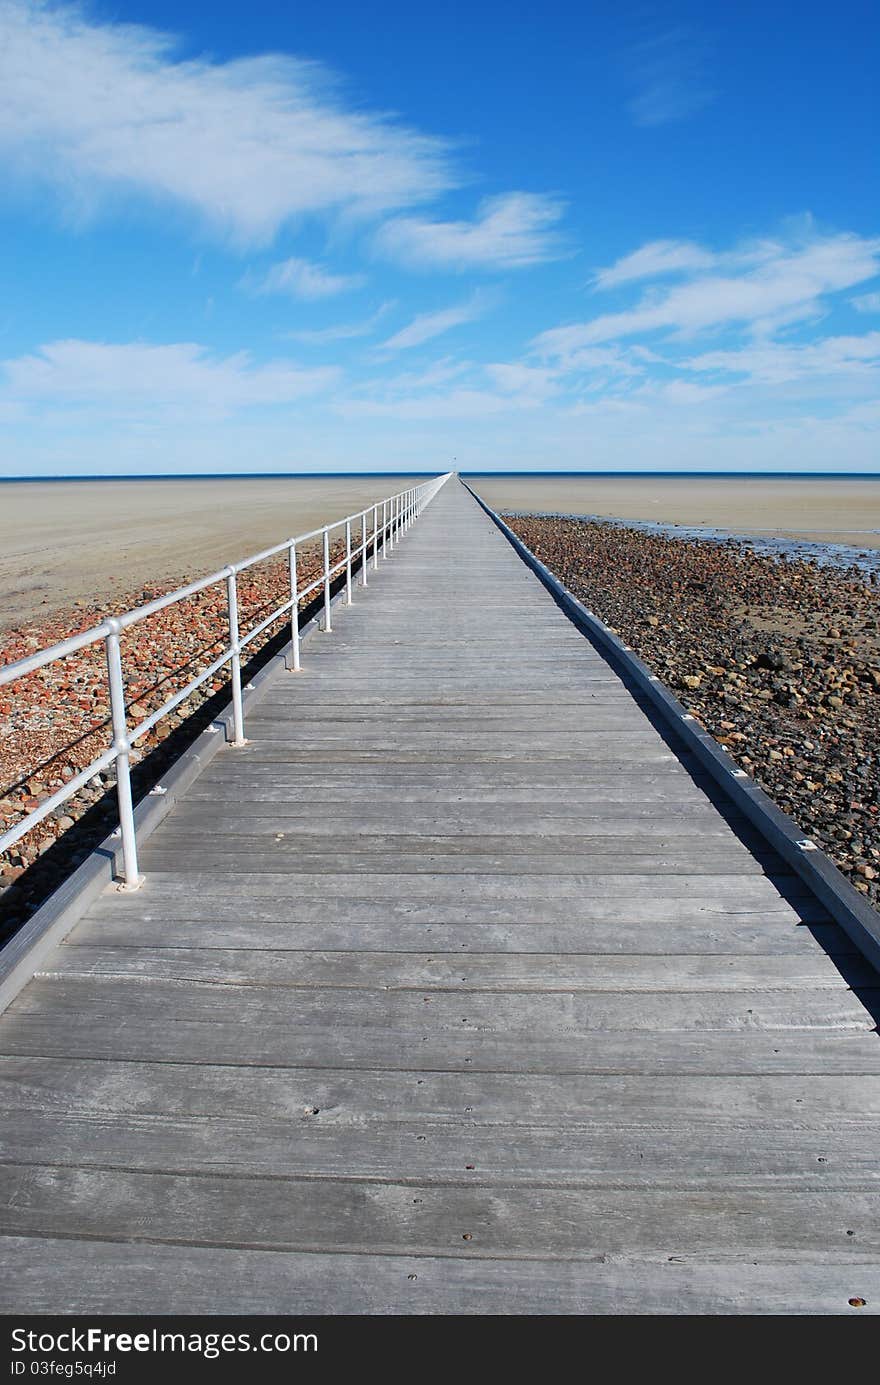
780, 661
54, 722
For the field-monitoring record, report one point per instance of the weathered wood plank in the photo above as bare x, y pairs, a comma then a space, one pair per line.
809, 970
608, 1153
366, 856
451, 819
347, 788
471, 1014
607, 718
723, 1225
259, 1043
455, 752
516, 890
342, 1096
112, 1277
274, 925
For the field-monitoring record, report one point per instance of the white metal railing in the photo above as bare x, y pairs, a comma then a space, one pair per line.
377, 537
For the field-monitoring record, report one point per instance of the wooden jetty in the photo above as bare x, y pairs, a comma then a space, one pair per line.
457, 989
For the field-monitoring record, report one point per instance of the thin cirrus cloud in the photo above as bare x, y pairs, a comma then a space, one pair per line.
533, 384
427, 326
511, 231
866, 303
788, 284
98, 110
667, 75
775, 363
134, 376
298, 278
664, 259
655, 260
342, 331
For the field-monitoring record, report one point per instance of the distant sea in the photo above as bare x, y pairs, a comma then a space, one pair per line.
353, 475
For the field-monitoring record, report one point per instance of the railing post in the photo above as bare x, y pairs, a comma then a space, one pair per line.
294, 610
122, 747
376, 536
384, 528
235, 661
348, 562
327, 626
365, 557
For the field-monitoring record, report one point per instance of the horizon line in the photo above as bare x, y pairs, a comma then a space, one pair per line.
350, 475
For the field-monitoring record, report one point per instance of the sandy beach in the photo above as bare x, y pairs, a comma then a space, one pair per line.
825, 510
64, 541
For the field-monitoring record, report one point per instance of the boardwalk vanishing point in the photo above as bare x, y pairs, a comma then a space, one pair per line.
460, 988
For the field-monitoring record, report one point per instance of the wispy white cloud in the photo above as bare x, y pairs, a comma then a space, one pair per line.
300, 278
342, 331
99, 110
866, 303
775, 363
436, 377
526, 383
788, 285
667, 73
426, 326
678, 393
509, 232
451, 389
136, 377
655, 260
432, 407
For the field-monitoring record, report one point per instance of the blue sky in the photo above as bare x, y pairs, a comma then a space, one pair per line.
289, 237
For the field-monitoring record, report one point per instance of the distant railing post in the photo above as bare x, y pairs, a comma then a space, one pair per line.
376, 536
294, 610
348, 562
365, 557
122, 747
327, 626
384, 528
235, 660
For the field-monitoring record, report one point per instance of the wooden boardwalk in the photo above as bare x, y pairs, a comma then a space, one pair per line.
454, 991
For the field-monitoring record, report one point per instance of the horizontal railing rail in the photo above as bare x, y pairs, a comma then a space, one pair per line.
370, 535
